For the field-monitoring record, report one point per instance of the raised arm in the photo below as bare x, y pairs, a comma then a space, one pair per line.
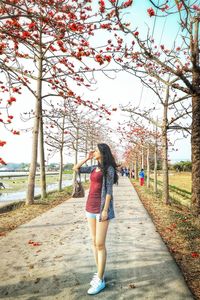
78, 166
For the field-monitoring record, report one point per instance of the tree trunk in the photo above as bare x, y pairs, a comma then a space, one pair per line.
165, 194
60, 170
148, 167
76, 152
61, 156
92, 145
195, 139
142, 158
155, 167
42, 155
86, 150
136, 169
33, 165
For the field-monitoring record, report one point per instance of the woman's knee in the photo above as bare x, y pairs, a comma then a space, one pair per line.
100, 246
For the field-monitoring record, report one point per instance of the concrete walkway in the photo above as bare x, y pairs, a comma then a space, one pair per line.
62, 266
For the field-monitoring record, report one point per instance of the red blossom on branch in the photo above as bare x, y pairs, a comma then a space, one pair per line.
26, 34
165, 7
2, 162
196, 7
32, 25
99, 59
127, 3
15, 132
102, 6
2, 47
11, 100
195, 254
16, 90
2, 143
151, 12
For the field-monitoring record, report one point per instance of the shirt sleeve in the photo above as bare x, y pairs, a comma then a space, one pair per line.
87, 169
110, 180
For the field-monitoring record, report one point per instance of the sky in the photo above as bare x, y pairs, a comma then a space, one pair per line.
123, 89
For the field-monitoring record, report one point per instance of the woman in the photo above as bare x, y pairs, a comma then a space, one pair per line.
99, 206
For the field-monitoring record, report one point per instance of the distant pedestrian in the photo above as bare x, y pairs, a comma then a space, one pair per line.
141, 177
99, 206
122, 171
128, 172
125, 171
133, 174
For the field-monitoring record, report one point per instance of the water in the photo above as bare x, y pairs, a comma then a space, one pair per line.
21, 174
21, 195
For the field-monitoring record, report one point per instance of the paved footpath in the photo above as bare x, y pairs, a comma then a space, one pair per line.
139, 265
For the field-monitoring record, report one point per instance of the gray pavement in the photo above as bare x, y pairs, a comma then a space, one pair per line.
139, 265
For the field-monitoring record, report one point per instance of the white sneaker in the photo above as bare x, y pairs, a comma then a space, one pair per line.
95, 276
97, 286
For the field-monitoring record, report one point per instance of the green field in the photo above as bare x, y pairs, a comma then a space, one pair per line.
180, 186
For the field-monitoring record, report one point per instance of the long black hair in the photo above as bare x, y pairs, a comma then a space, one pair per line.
107, 160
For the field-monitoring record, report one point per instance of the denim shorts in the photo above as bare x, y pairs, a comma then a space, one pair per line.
92, 215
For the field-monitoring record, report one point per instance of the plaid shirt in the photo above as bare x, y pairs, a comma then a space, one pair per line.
107, 188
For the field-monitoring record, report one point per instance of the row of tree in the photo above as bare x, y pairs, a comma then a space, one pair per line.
45, 49
56, 39
173, 74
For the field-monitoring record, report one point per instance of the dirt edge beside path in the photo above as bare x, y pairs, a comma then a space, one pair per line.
24, 213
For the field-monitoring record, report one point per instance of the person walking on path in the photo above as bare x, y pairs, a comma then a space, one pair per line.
141, 177
99, 206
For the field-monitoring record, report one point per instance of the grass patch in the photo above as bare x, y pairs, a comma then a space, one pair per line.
180, 231
179, 188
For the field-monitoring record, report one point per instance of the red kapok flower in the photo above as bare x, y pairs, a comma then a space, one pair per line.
99, 59
2, 143
15, 132
26, 34
196, 7
12, 99
2, 162
127, 3
107, 57
2, 47
15, 90
165, 7
31, 25
194, 254
102, 6
73, 27
151, 12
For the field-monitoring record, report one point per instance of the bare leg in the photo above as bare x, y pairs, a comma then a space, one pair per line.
101, 231
92, 227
